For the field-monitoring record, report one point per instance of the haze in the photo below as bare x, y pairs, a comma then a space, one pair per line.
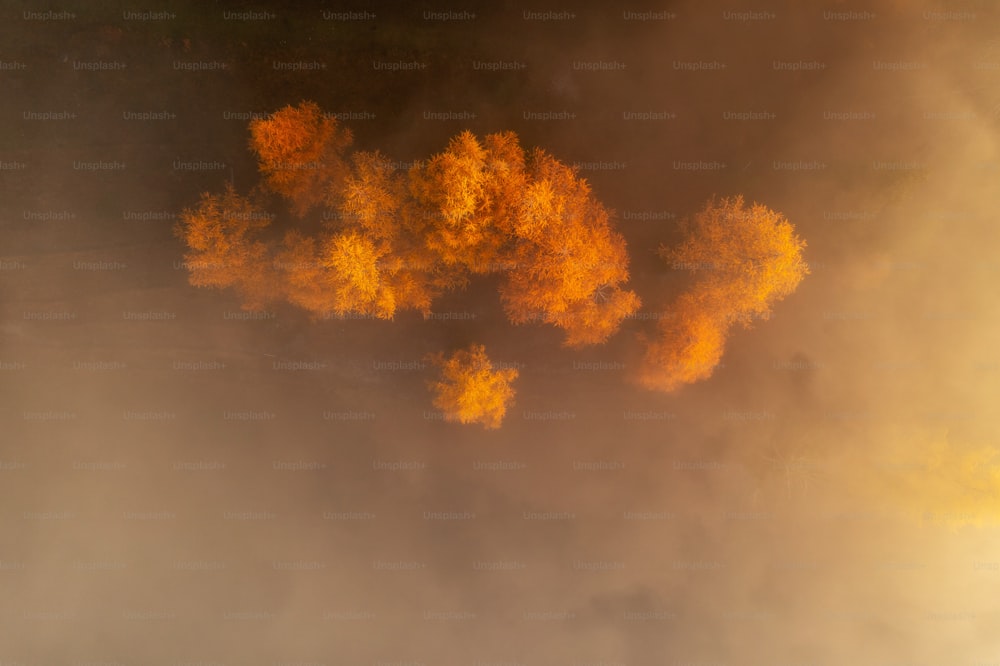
183, 481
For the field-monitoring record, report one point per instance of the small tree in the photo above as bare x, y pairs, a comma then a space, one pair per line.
470, 390
309, 283
222, 236
361, 286
372, 195
454, 197
687, 348
569, 264
746, 258
300, 154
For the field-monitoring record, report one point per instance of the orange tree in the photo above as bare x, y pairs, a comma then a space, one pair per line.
300, 154
688, 345
569, 264
470, 390
462, 200
222, 234
374, 203
372, 195
746, 258
348, 273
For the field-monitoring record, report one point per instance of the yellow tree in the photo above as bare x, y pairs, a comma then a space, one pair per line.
569, 264
470, 390
746, 259
300, 154
222, 236
957, 485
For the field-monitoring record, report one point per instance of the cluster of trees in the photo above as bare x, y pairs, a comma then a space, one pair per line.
746, 258
397, 238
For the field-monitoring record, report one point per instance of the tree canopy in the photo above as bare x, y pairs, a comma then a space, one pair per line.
399, 238
300, 153
746, 258
223, 237
470, 389
396, 239
570, 263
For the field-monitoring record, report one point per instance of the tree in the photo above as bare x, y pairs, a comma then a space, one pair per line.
569, 266
300, 154
449, 197
505, 181
592, 321
222, 235
309, 283
747, 258
337, 274
446, 192
372, 195
688, 346
361, 286
348, 272
375, 203
470, 390
466, 198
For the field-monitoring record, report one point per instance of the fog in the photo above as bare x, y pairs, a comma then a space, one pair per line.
183, 482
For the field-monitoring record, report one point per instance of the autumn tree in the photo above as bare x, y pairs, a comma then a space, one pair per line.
452, 197
309, 283
359, 265
688, 345
746, 259
300, 152
505, 183
361, 286
372, 194
400, 238
348, 273
569, 264
470, 389
372, 203
949, 482
222, 234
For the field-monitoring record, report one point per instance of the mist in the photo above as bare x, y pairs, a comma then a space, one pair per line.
184, 481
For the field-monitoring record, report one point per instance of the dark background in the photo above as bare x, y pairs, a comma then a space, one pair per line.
806, 505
